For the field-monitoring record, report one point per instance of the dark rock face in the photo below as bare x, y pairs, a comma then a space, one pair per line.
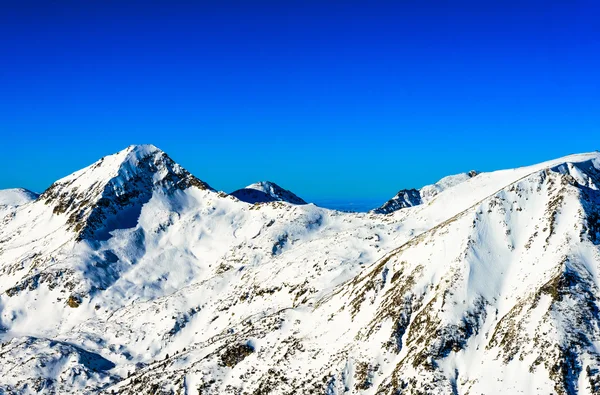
235, 354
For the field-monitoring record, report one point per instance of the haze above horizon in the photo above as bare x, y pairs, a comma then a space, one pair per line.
337, 102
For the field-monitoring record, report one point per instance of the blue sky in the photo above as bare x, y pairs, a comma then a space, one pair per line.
331, 99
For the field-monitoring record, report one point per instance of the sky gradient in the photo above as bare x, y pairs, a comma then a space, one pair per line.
330, 99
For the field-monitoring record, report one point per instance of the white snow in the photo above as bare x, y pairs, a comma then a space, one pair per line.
16, 197
480, 288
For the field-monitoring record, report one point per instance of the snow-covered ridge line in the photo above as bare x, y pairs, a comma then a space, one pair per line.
133, 276
377, 265
406, 198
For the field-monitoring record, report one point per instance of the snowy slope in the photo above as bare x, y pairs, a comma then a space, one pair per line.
16, 197
413, 197
492, 286
266, 191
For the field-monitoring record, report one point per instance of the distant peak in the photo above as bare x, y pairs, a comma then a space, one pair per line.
16, 196
263, 185
266, 191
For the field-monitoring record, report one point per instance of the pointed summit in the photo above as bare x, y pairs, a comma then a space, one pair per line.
114, 188
266, 191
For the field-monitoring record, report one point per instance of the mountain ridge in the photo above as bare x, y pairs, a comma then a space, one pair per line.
493, 280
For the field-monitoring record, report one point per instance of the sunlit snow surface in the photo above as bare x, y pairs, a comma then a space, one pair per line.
489, 286
16, 197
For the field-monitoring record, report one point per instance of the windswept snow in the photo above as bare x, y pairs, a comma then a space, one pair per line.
134, 276
16, 197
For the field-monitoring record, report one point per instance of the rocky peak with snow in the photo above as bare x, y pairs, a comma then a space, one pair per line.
112, 190
266, 191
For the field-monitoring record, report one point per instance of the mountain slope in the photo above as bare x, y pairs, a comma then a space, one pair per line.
491, 287
413, 197
447, 312
266, 191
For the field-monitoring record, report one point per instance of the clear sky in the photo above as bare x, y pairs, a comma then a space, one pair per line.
331, 99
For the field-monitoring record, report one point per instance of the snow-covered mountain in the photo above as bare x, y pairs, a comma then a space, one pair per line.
133, 276
111, 192
413, 197
266, 191
16, 196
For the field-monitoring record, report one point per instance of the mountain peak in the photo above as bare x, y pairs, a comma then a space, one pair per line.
266, 191
139, 151
142, 148
115, 184
16, 196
